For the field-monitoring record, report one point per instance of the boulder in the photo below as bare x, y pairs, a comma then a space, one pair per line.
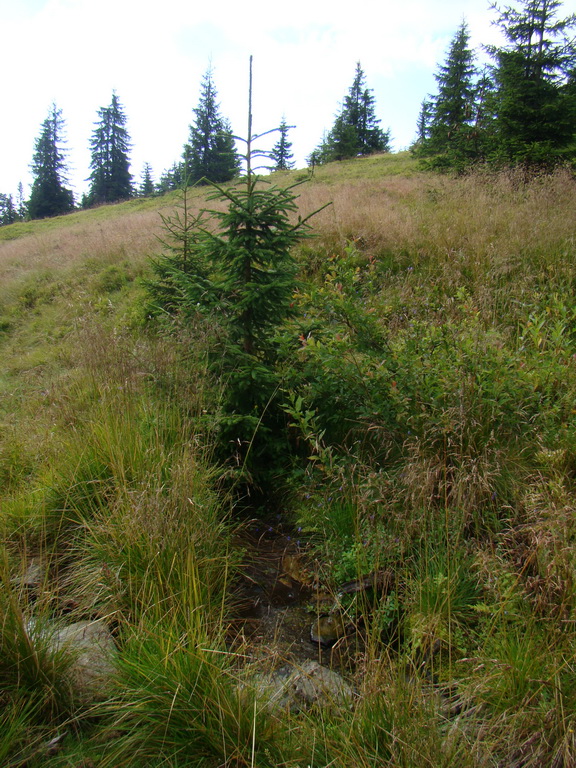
33, 576
92, 649
299, 687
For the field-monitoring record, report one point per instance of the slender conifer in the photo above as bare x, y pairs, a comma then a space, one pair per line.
110, 179
49, 195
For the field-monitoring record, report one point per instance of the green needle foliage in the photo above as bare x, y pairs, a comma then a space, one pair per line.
355, 130
210, 154
448, 125
281, 153
111, 179
235, 263
255, 285
253, 250
49, 195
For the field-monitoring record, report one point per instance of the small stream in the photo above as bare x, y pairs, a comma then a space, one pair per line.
279, 600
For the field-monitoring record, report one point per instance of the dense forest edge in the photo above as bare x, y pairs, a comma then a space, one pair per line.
416, 435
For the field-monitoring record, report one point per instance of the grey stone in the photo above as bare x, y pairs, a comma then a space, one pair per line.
92, 648
34, 575
315, 684
300, 687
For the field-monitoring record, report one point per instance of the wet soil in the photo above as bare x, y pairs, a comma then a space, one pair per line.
279, 600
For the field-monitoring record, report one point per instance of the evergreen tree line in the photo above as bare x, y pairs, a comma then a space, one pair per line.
520, 109
209, 154
11, 210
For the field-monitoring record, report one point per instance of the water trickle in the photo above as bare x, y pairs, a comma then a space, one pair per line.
280, 600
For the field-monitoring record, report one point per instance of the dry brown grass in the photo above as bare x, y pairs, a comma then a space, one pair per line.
104, 240
377, 212
488, 220
486, 215
495, 236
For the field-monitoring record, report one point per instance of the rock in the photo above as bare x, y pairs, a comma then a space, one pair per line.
54, 746
34, 575
295, 688
382, 581
327, 629
294, 566
315, 684
92, 648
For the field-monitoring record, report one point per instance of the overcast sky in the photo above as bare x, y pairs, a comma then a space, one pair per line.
76, 52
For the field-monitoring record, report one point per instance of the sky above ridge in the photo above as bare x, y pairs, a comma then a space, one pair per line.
74, 53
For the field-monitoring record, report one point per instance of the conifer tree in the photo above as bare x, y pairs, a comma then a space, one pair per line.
281, 153
321, 154
147, 187
423, 126
343, 139
359, 112
355, 130
210, 152
235, 266
171, 179
453, 106
22, 204
111, 180
8, 212
49, 195
534, 108
447, 122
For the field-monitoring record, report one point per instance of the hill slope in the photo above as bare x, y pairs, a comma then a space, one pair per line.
428, 380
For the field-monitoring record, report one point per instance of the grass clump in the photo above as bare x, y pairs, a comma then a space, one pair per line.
31, 668
180, 699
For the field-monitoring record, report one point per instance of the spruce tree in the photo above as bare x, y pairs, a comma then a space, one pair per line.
355, 130
49, 195
321, 154
172, 178
210, 152
533, 105
453, 110
111, 180
281, 154
147, 187
235, 266
22, 204
483, 122
423, 127
446, 128
8, 212
343, 139
359, 112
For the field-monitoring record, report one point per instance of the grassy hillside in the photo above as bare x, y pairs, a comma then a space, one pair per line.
428, 384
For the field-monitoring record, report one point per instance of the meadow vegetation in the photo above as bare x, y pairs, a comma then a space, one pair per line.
427, 386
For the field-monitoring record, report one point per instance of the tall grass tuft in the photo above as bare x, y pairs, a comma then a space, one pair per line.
31, 668
179, 697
